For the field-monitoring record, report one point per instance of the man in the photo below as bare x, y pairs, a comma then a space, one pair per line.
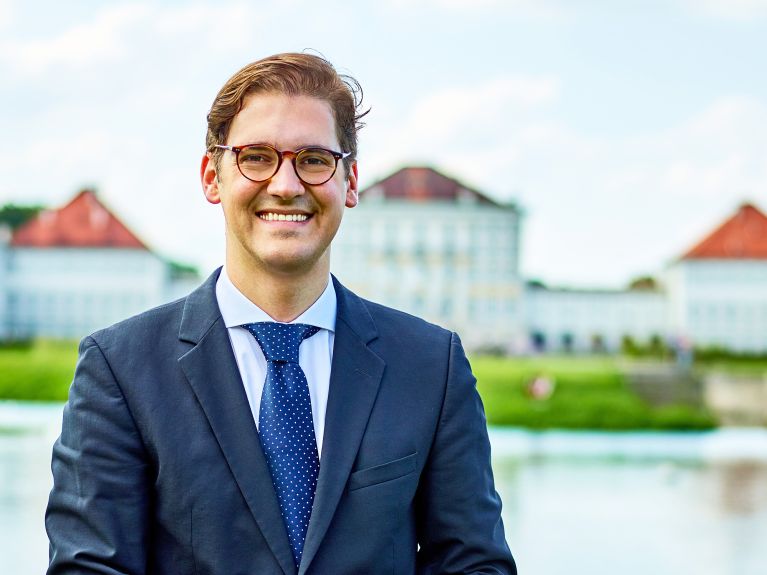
272, 422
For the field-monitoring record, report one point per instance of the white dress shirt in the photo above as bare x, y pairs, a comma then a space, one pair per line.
315, 353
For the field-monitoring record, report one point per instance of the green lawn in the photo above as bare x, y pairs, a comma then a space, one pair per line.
40, 371
590, 393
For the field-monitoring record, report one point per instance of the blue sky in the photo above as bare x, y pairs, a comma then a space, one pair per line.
624, 130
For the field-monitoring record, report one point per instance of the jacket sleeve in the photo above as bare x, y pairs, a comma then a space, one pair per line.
458, 510
97, 511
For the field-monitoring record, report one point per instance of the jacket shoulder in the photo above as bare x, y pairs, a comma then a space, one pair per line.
389, 315
408, 327
370, 319
165, 323
146, 325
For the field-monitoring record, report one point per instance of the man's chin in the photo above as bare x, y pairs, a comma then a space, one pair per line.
292, 263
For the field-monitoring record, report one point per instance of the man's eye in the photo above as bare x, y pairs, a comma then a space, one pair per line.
257, 155
316, 159
254, 158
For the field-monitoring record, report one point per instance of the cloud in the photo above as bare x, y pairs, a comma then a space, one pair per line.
545, 9
718, 152
102, 39
231, 23
740, 10
662, 191
120, 31
457, 112
130, 79
6, 13
467, 127
644, 197
507, 127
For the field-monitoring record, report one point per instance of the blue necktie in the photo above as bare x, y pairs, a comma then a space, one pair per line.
285, 425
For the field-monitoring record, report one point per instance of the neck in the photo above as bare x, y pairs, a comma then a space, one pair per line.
283, 297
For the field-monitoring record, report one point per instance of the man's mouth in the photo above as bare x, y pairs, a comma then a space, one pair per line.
278, 217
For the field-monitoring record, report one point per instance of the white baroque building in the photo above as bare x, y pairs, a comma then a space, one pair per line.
593, 320
419, 241
427, 244
430, 245
717, 290
75, 269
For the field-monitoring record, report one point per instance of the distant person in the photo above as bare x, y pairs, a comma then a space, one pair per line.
272, 422
541, 387
684, 353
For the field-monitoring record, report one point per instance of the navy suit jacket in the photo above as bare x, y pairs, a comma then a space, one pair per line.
159, 469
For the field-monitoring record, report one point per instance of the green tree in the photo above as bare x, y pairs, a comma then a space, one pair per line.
629, 346
643, 283
657, 347
14, 215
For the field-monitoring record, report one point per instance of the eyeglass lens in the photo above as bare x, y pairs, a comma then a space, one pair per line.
313, 165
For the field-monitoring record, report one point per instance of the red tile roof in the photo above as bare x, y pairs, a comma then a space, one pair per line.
83, 222
743, 236
420, 184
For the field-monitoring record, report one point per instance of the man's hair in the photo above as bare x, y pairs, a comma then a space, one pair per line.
292, 74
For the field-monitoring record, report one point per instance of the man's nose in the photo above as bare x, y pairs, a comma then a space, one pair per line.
285, 182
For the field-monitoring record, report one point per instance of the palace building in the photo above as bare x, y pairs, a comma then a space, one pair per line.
717, 291
419, 241
428, 244
72, 270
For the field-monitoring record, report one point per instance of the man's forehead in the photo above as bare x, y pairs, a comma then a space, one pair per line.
273, 102
276, 116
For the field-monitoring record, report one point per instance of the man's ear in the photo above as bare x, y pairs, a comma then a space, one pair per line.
352, 193
209, 179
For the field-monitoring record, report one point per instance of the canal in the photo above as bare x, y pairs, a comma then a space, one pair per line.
574, 503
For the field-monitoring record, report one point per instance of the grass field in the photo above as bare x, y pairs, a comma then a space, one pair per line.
590, 392
40, 371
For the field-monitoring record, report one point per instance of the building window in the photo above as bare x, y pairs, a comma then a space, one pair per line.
538, 339
567, 342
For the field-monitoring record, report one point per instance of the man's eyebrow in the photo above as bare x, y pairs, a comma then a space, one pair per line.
281, 148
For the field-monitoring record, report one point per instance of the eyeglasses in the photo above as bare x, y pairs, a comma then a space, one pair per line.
259, 162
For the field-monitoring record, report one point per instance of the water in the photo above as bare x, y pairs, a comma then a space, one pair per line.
635, 504
27, 433
574, 503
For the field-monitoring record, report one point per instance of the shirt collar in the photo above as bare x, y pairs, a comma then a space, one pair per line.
236, 309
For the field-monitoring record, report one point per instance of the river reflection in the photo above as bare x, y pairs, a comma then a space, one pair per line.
26, 437
650, 513
575, 504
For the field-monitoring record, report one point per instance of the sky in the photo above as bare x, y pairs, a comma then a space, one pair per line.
625, 131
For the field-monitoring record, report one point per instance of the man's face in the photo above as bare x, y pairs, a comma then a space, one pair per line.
254, 240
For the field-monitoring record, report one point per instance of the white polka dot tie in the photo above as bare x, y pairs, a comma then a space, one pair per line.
285, 425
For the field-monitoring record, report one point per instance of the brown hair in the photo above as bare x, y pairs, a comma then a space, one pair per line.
292, 74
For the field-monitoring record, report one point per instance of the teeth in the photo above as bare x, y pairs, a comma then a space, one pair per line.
270, 217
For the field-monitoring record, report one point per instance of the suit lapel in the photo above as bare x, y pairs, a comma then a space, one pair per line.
212, 372
354, 380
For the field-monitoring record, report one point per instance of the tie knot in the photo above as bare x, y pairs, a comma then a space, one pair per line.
280, 341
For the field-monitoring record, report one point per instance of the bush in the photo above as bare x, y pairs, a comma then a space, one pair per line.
719, 354
655, 347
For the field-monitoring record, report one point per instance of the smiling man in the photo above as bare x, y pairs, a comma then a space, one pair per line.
282, 210
272, 422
